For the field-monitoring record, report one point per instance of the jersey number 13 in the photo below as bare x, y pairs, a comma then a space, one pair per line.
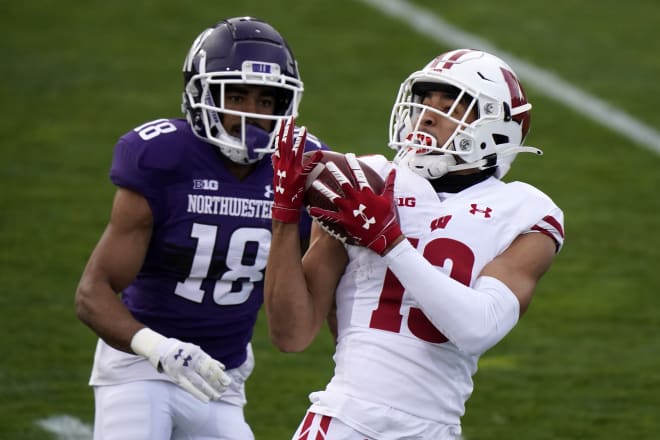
438, 252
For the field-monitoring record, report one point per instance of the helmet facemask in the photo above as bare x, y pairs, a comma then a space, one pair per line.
205, 95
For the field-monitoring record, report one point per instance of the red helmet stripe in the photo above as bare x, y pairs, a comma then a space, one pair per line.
518, 98
455, 58
448, 63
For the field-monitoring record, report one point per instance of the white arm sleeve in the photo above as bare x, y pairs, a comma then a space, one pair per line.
473, 318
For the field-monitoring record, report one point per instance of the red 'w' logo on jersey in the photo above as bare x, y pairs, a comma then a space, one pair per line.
440, 222
474, 209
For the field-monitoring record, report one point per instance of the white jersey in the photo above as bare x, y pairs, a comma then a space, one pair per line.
396, 375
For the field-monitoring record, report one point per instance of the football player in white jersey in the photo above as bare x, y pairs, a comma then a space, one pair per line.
449, 256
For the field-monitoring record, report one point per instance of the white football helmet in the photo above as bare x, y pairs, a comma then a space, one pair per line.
247, 51
482, 82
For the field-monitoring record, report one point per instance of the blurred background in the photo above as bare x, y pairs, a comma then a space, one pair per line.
582, 364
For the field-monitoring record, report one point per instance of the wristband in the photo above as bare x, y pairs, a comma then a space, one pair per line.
145, 343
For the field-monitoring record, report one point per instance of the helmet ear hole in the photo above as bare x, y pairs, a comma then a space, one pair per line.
500, 139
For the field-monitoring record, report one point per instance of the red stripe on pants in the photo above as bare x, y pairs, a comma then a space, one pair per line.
304, 431
323, 428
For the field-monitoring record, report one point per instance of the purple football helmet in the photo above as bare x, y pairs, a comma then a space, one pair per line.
239, 51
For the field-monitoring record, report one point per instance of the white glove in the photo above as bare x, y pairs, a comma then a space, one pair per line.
186, 364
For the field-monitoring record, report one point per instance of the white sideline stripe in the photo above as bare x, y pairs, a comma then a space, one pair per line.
427, 23
66, 427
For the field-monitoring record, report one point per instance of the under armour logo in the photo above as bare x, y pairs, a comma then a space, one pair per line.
368, 221
268, 191
281, 175
185, 359
486, 212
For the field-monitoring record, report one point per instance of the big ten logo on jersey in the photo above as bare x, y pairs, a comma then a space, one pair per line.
409, 202
208, 184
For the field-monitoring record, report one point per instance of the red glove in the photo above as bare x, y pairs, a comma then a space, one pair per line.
289, 174
369, 218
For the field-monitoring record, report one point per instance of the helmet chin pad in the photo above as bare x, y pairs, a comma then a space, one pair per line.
256, 139
429, 166
257, 143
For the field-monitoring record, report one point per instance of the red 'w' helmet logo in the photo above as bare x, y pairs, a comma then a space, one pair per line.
518, 98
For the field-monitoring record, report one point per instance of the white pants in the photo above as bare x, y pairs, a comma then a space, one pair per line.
161, 410
321, 427
318, 426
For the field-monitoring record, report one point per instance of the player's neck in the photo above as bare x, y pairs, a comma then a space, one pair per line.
453, 183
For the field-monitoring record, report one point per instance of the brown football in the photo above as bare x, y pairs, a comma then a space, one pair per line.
313, 197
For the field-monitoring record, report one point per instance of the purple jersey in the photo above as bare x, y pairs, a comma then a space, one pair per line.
202, 277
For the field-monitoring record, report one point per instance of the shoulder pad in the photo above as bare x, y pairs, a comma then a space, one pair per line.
158, 144
377, 162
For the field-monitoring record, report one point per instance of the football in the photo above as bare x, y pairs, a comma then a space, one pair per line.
314, 198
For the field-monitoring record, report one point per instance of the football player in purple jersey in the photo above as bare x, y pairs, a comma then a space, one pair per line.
174, 285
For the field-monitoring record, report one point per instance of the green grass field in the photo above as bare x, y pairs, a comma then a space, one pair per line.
584, 363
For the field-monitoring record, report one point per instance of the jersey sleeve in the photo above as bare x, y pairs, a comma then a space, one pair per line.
550, 218
145, 158
125, 171
552, 225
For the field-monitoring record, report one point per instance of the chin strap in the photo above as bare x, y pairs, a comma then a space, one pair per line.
434, 166
431, 166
